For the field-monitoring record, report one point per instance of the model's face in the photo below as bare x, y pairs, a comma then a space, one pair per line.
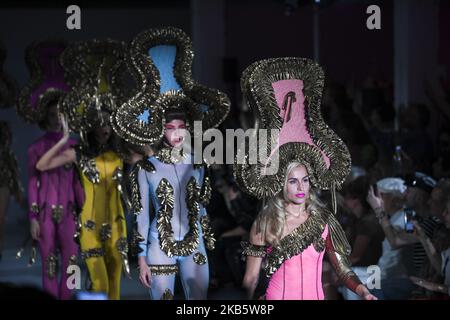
298, 187
174, 132
102, 134
53, 119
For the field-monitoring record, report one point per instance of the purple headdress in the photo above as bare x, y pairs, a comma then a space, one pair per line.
46, 82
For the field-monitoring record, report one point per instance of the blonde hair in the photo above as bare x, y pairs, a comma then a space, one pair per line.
270, 221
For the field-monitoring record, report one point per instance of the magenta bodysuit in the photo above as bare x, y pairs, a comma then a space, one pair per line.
54, 196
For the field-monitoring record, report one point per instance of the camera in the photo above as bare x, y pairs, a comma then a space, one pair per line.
410, 215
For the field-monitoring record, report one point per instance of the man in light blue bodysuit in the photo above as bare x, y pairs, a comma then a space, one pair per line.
170, 191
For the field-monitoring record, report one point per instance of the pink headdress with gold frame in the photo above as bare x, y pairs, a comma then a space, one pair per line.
285, 94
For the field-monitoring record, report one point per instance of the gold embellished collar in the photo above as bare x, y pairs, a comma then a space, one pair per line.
314, 223
170, 155
309, 232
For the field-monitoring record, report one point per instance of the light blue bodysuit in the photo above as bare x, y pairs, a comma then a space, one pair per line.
172, 223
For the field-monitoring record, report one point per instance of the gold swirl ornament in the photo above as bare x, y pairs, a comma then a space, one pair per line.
167, 295
122, 247
73, 260
92, 253
34, 208
51, 266
208, 234
105, 232
190, 241
33, 254
205, 194
89, 169
163, 269
120, 180
199, 258
57, 213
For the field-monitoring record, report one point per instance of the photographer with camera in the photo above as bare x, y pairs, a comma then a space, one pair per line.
437, 247
421, 211
387, 199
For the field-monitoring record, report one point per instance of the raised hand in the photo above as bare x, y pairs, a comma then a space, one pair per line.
375, 202
364, 293
145, 275
65, 127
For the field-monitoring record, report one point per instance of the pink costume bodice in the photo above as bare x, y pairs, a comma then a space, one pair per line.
300, 277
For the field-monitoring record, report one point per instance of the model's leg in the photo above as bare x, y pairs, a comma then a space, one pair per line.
113, 261
163, 270
94, 255
194, 274
47, 249
69, 251
98, 274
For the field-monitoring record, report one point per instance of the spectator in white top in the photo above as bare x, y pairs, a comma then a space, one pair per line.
396, 261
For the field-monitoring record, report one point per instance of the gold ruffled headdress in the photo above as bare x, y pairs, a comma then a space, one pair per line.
161, 61
94, 72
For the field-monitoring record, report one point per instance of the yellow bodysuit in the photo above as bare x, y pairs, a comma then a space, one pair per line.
103, 229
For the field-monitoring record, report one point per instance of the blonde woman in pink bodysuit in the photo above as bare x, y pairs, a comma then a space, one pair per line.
293, 231
295, 220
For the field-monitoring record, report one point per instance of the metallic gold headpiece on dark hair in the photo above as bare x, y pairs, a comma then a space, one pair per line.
161, 60
46, 82
93, 70
286, 94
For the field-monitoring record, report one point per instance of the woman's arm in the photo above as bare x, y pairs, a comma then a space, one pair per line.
143, 217
432, 286
341, 265
49, 160
33, 184
33, 192
395, 238
143, 226
253, 266
205, 197
433, 255
235, 232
